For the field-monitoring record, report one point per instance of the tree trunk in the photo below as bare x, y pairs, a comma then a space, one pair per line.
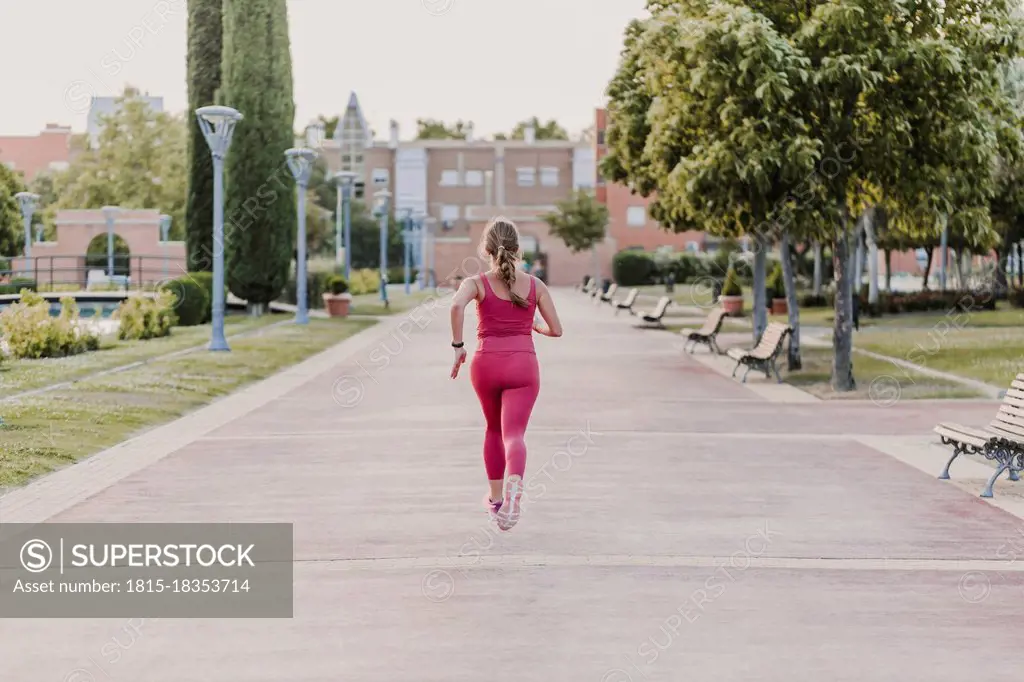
1002, 259
817, 268
858, 257
869, 235
928, 267
760, 301
1020, 264
793, 358
888, 270
958, 270
842, 361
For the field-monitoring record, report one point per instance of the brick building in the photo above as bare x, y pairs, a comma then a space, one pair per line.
629, 225
31, 155
462, 184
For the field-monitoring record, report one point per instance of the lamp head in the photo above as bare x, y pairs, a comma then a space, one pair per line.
300, 163
218, 125
345, 178
110, 212
27, 202
217, 115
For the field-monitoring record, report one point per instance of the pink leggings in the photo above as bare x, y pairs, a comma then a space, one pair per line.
507, 384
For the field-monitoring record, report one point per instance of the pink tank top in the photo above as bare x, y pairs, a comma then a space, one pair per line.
503, 326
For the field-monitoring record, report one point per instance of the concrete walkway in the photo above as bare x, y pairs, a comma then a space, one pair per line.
678, 525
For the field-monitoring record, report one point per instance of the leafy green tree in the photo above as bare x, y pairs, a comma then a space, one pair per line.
543, 131
139, 163
205, 44
432, 129
45, 185
12, 230
260, 192
579, 221
330, 124
720, 107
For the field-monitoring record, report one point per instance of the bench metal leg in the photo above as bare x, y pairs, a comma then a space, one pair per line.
987, 492
945, 472
734, 370
775, 368
1013, 476
714, 346
745, 374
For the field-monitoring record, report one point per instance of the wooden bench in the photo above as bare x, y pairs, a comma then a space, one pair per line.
627, 304
653, 318
708, 334
606, 297
763, 356
1002, 440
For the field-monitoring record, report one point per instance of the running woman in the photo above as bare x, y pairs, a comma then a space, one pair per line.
504, 372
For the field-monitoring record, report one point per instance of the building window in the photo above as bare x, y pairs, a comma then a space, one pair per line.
474, 178
549, 177
450, 178
636, 216
600, 136
381, 176
449, 213
526, 177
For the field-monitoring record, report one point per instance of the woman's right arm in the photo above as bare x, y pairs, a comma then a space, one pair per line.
552, 326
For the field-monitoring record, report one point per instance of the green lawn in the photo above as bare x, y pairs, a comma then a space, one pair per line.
992, 355
24, 375
370, 304
876, 380
45, 432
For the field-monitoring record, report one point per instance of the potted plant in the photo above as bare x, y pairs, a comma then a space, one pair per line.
336, 298
732, 294
777, 290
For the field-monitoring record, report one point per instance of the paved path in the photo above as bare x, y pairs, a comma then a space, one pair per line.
679, 525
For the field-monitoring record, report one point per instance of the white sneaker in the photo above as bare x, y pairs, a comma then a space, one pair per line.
508, 513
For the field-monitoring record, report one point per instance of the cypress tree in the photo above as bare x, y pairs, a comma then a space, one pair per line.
260, 220
205, 39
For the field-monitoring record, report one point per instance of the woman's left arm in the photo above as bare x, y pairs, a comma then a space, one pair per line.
465, 294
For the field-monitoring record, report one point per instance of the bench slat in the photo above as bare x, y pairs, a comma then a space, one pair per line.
1017, 383
963, 434
1014, 415
736, 353
1009, 427
1015, 438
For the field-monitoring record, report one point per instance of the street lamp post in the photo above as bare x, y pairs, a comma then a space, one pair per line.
110, 213
218, 125
384, 206
27, 202
300, 162
345, 181
427, 256
407, 237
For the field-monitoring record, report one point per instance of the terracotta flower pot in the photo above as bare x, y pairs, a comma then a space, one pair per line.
733, 305
779, 306
337, 305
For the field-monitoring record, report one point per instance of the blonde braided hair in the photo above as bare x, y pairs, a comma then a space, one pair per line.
500, 242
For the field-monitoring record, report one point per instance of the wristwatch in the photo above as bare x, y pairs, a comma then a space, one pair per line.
460, 344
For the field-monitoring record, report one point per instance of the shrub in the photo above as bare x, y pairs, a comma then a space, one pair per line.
364, 281
205, 280
732, 287
685, 267
17, 284
145, 318
632, 268
812, 301
190, 301
337, 285
397, 275
5, 264
776, 283
32, 332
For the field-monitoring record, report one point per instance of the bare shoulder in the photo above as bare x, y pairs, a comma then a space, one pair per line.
541, 287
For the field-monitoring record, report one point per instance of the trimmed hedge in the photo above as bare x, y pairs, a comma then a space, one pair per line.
191, 301
1017, 298
632, 268
17, 284
205, 280
922, 301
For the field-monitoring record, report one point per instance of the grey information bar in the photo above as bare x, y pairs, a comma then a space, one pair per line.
146, 570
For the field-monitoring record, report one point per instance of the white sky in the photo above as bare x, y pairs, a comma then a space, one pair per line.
494, 62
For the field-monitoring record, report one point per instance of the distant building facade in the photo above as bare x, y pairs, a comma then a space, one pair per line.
462, 184
49, 151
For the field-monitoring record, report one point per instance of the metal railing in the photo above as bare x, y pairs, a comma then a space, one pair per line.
54, 273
